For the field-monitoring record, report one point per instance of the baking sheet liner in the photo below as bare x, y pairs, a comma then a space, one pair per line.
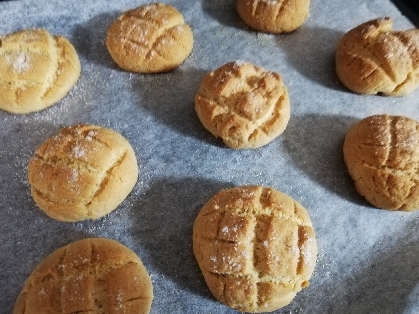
368, 258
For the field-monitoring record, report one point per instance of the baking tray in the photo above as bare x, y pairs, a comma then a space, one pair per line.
368, 258
410, 9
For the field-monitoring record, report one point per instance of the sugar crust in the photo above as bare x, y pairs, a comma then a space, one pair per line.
372, 58
83, 172
273, 16
152, 38
381, 153
37, 70
255, 246
94, 275
245, 105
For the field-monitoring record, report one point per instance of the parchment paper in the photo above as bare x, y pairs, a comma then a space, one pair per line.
368, 259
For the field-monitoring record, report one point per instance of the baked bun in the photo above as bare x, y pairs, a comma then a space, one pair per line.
150, 39
93, 275
273, 16
36, 70
372, 59
382, 156
256, 247
243, 104
84, 172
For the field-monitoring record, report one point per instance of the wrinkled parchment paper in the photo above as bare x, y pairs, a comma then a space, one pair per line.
368, 259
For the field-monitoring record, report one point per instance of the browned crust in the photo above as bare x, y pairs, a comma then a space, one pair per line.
382, 156
244, 105
273, 16
372, 59
255, 246
36, 70
93, 275
150, 39
84, 172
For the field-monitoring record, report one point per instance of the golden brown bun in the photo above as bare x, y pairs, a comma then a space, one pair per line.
150, 39
255, 246
84, 172
382, 156
36, 70
273, 16
245, 105
88, 276
372, 59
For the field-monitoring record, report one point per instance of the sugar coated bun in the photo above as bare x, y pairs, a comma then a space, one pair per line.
150, 39
382, 156
273, 16
256, 248
372, 58
245, 105
36, 70
84, 172
94, 275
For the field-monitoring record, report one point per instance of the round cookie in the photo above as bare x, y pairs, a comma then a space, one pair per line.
255, 246
374, 59
84, 172
273, 16
382, 156
150, 39
36, 70
245, 105
94, 275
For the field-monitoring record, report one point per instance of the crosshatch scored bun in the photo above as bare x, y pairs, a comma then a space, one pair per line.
150, 39
36, 70
243, 104
382, 156
256, 247
372, 58
84, 172
94, 275
273, 16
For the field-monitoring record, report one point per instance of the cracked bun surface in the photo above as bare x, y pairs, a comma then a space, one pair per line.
152, 38
245, 105
255, 246
382, 156
273, 16
84, 172
93, 275
372, 58
36, 70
